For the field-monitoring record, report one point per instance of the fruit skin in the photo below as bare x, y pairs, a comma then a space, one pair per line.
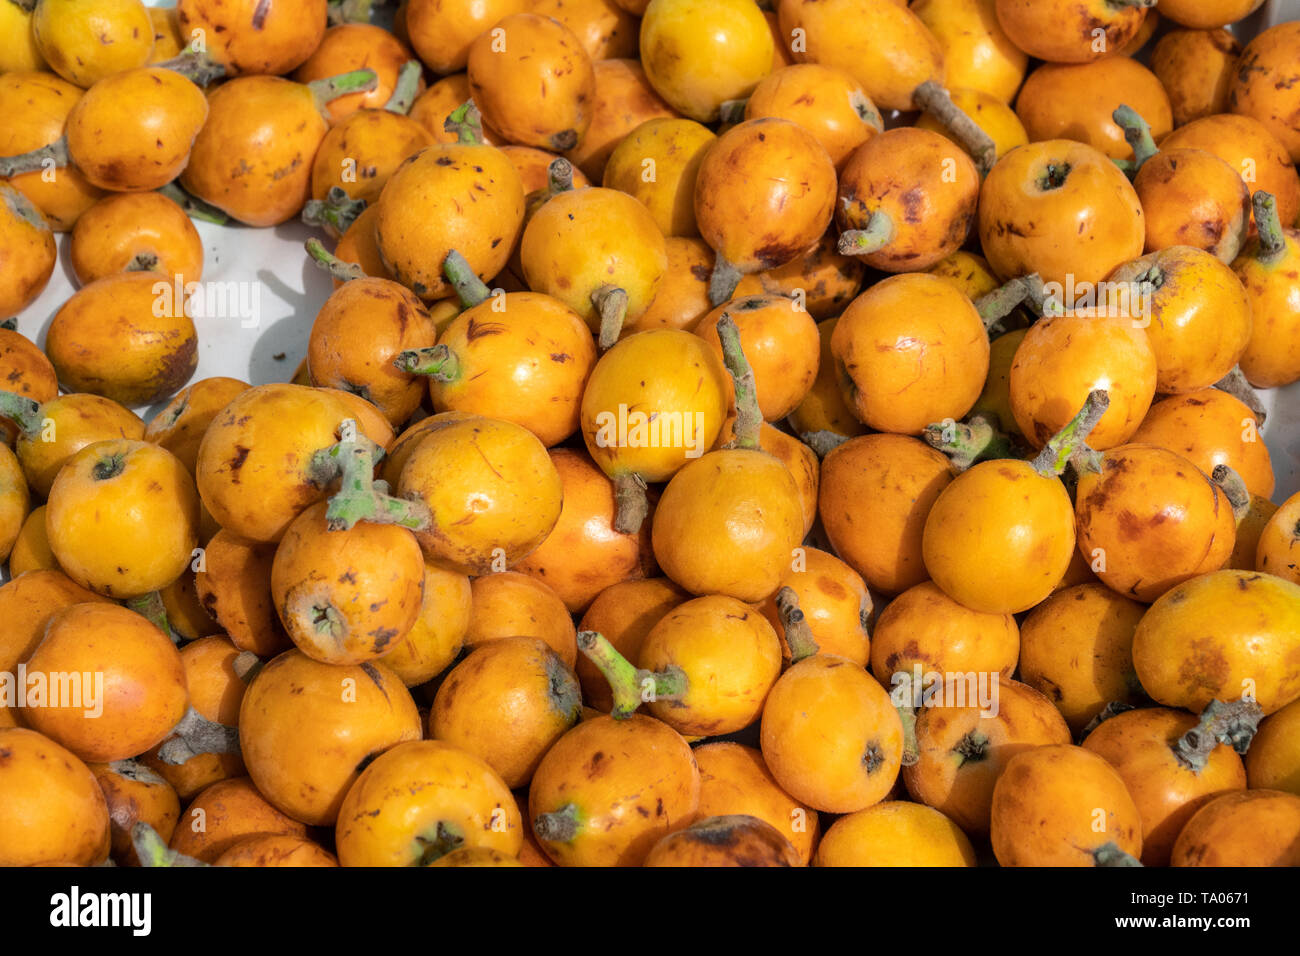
533, 81
27, 251
756, 228
1196, 69
630, 782
826, 101
1076, 648
1207, 14
491, 488
623, 101
126, 338
1253, 648
85, 42
507, 703
834, 601
876, 491
442, 32
1063, 358
1061, 209
1139, 744
736, 840
253, 467
977, 53
1052, 104
840, 770
122, 230
135, 794
1048, 802
1264, 85
1272, 357
269, 124
38, 105
728, 523
1209, 427
963, 749
421, 796
910, 351
225, 814
1193, 198
623, 613
1273, 761
250, 36
735, 780
1157, 519
21, 54
731, 656
885, 46
1065, 31
1253, 828
134, 131
698, 54
1000, 537
367, 582
926, 186
304, 727
56, 812
73, 422
677, 147
895, 833
123, 518
275, 849
143, 695
351, 46
419, 221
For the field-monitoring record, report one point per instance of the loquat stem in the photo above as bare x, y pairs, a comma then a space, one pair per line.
749, 419
343, 271
934, 99
1073, 438
630, 685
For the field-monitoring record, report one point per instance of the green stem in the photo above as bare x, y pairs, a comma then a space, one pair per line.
934, 99
1236, 385
406, 88
1234, 488
798, 635
631, 504
152, 850
749, 419
343, 271
1232, 722
1110, 855
29, 162
467, 123
872, 237
1272, 237
1137, 132
611, 304
558, 827
965, 444
194, 207
336, 211
723, 281
349, 11
22, 411
438, 362
360, 497
438, 841
867, 111
332, 87
196, 735
1071, 439
151, 606
631, 686
1002, 301
470, 289
199, 68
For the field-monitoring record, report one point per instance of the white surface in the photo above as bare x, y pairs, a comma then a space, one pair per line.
290, 290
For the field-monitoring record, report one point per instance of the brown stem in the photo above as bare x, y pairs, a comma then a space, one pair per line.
1235, 490
611, 303
1236, 385
631, 504
723, 281
798, 635
934, 99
